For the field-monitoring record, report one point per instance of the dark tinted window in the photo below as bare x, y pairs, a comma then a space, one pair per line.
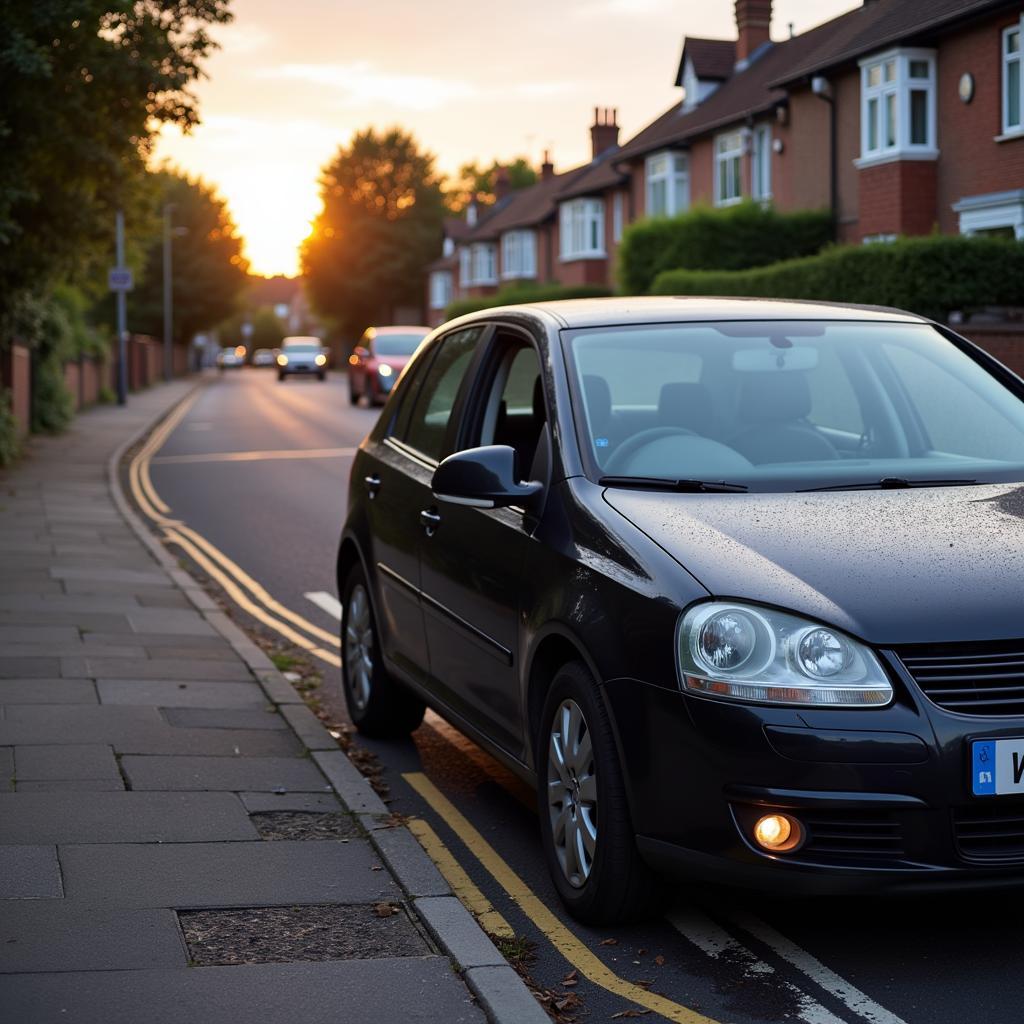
428, 426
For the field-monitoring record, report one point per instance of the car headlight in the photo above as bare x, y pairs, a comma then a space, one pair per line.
321, 360
384, 370
282, 360
742, 652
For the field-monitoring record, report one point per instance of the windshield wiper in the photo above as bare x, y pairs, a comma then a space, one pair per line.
891, 483
657, 483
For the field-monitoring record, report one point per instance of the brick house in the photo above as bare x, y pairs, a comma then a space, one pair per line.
901, 116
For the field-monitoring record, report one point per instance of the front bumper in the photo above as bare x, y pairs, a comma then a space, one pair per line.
883, 794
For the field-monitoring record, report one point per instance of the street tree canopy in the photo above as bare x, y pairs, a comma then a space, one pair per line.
477, 180
86, 84
209, 270
383, 207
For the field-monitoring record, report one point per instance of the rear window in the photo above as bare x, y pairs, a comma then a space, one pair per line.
397, 344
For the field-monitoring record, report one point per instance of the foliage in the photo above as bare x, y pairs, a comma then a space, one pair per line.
731, 238
476, 180
209, 271
86, 85
929, 276
517, 295
267, 329
9, 446
382, 212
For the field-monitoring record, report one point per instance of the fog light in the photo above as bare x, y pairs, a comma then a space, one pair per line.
778, 833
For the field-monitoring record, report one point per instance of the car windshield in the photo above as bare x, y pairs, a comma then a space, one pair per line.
789, 406
396, 344
293, 349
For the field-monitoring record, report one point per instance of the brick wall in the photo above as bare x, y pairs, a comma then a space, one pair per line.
1004, 341
897, 198
16, 377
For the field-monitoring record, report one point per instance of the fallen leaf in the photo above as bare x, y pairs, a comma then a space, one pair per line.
384, 910
659, 960
629, 1013
640, 952
608, 942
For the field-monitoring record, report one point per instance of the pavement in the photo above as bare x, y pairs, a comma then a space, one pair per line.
180, 838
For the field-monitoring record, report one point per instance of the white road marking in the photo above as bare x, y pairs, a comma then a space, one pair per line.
328, 602
716, 942
849, 995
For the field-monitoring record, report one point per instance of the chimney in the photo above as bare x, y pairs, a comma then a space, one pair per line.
547, 168
502, 184
604, 132
753, 21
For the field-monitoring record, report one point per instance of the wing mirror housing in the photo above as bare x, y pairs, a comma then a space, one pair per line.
482, 478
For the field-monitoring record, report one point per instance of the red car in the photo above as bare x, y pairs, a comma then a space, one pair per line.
378, 359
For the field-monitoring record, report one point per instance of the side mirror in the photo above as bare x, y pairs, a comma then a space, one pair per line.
482, 478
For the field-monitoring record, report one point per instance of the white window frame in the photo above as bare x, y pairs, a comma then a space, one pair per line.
992, 211
892, 96
618, 216
671, 170
519, 254
581, 230
1010, 130
465, 267
485, 263
761, 163
729, 147
441, 290
886, 238
447, 247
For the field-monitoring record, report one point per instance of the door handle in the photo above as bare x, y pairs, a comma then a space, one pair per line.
430, 520
372, 484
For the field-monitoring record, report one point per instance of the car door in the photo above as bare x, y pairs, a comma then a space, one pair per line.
472, 560
397, 479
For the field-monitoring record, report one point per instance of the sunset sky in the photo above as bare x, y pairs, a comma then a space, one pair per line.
294, 80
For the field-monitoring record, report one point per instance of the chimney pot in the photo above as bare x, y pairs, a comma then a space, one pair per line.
753, 25
502, 184
604, 132
547, 168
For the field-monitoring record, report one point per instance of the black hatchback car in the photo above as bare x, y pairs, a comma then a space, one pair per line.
739, 585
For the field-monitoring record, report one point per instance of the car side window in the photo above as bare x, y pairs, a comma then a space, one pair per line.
427, 426
515, 414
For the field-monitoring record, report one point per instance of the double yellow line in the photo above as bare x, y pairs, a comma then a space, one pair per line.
249, 595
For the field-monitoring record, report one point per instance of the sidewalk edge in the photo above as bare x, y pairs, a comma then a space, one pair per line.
500, 992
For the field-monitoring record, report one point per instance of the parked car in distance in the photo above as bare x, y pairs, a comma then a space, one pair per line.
302, 355
736, 584
378, 359
264, 357
231, 358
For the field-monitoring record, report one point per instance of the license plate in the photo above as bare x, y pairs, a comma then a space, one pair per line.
997, 767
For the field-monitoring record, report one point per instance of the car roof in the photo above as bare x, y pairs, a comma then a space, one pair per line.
393, 329
302, 339
646, 309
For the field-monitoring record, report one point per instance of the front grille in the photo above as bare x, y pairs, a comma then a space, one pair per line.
990, 832
972, 678
838, 835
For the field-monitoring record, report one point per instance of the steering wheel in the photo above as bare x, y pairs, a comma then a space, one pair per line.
621, 456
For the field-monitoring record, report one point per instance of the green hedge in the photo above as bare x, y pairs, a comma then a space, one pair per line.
930, 276
9, 446
732, 238
517, 295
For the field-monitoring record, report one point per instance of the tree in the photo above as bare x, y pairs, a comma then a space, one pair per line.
382, 212
475, 180
86, 84
209, 270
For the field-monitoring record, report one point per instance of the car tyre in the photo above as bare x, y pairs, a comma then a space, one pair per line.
586, 830
353, 395
281, 375
321, 376
377, 703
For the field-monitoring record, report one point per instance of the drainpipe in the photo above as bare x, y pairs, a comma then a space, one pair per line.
822, 88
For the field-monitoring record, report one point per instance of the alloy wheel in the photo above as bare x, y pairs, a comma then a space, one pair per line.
572, 793
359, 647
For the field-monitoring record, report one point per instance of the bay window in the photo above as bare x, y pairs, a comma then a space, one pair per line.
667, 178
728, 168
518, 254
465, 267
897, 113
440, 288
485, 258
581, 229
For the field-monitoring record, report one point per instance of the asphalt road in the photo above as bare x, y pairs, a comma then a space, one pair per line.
730, 957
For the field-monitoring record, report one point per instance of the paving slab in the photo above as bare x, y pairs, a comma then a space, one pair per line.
151, 577
184, 875
176, 669
166, 693
65, 761
47, 691
257, 803
30, 668
223, 773
217, 718
410, 990
29, 872
6, 769
79, 620
69, 785
29, 724
37, 634
170, 623
123, 817
59, 935
70, 649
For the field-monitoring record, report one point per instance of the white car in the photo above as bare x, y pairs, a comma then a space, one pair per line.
302, 355
264, 357
231, 358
